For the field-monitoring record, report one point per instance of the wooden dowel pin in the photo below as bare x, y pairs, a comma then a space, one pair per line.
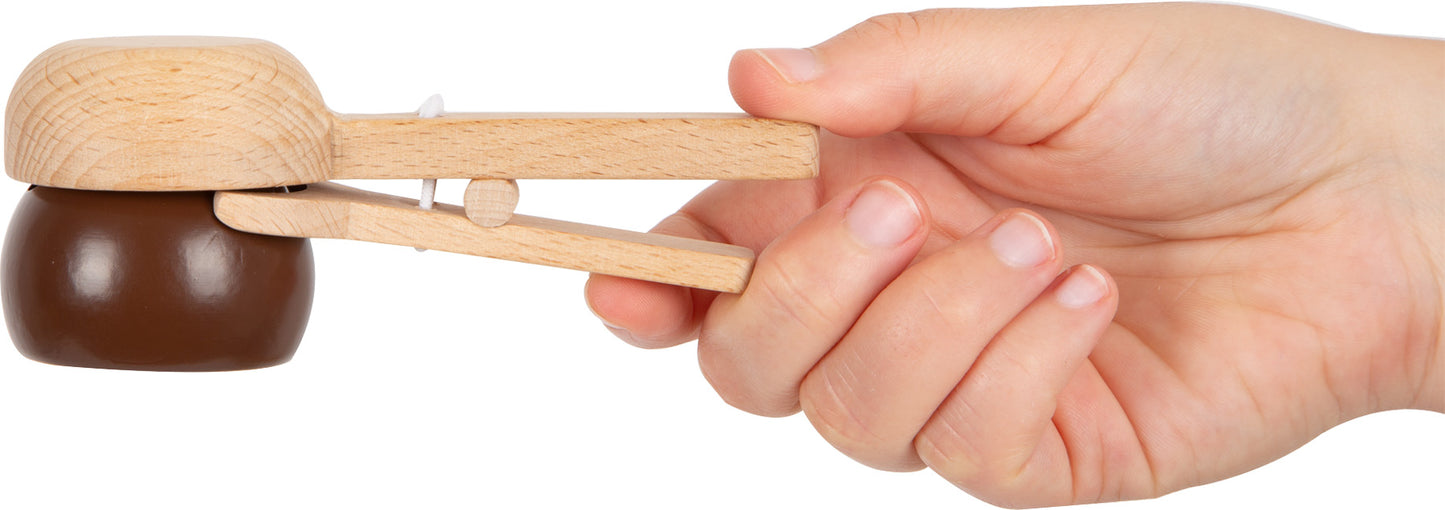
490, 202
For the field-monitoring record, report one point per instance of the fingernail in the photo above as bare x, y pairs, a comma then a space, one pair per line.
1021, 241
883, 215
1083, 287
794, 65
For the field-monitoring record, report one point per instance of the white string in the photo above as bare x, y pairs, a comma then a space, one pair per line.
430, 109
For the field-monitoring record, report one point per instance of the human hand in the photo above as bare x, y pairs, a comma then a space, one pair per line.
1253, 199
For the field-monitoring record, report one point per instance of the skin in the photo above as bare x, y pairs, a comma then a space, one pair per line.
1252, 199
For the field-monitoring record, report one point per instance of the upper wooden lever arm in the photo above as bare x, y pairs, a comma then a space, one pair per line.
572, 146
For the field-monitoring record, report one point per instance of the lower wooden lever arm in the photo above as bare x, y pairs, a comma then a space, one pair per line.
329, 210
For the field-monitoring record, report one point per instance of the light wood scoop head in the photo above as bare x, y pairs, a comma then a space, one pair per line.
166, 114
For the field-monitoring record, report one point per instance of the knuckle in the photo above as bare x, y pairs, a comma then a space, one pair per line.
949, 447
788, 292
892, 52
901, 26
945, 446
721, 369
908, 27
739, 380
826, 397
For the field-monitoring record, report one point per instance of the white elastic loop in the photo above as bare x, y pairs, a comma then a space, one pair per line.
432, 108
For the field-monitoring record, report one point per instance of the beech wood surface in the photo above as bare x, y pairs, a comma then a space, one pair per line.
491, 202
333, 211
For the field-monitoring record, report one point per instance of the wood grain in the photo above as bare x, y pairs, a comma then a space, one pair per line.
334, 211
490, 202
572, 146
206, 113
166, 113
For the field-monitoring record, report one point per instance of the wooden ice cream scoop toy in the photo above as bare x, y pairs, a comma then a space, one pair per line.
164, 168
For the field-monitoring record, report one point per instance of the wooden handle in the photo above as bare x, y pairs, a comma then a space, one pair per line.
334, 211
572, 146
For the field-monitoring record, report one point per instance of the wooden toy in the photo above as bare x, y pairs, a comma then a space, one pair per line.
146, 125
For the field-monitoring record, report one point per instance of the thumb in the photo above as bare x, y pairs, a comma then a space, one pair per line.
1015, 75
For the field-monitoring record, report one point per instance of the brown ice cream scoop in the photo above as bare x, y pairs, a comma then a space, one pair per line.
172, 121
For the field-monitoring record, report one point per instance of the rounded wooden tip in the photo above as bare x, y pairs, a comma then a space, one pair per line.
166, 114
491, 202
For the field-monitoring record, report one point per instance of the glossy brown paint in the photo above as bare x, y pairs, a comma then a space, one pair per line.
149, 281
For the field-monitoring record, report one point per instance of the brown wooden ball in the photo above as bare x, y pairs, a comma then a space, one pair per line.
149, 281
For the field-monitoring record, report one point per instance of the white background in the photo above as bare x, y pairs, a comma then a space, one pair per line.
441, 381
